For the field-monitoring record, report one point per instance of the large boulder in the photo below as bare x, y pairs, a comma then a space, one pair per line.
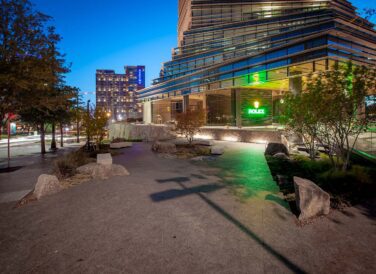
96, 171
87, 169
217, 150
164, 147
104, 159
119, 145
274, 148
47, 185
311, 200
203, 142
118, 170
281, 155
102, 172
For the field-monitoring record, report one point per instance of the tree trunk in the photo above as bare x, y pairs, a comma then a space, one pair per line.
42, 139
78, 131
61, 135
53, 141
8, 131
312, 151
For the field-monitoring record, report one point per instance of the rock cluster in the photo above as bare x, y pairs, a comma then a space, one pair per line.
103, 168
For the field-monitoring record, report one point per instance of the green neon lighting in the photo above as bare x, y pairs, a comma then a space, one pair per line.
256, 112
257, 78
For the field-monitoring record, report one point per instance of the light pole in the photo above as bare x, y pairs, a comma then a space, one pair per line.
77, 118
88, 120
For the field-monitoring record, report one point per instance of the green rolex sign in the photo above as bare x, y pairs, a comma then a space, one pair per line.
256, 111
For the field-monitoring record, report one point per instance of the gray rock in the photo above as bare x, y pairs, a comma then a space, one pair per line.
203, 158
217, 150
87, 169
104, 159
198, 158
102, 172
118, 170
47, 185
274, 148
167, 156
281, 155
203, 142
120, 145
96, 171
311, 200
164, 147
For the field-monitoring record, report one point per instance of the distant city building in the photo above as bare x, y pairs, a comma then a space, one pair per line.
116, 93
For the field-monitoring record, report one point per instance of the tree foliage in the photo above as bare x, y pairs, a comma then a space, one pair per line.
94, 122
32, 67
331, 110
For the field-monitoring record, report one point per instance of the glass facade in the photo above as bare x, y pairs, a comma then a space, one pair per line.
237, 59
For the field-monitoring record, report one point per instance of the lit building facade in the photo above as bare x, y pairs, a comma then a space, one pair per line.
116, 93
237, 59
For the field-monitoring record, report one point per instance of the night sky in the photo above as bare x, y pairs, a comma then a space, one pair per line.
99, 34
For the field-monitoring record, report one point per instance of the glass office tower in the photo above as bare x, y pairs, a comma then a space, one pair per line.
237, 59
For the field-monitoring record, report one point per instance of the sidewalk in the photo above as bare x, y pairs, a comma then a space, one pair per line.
21, 140
14, 185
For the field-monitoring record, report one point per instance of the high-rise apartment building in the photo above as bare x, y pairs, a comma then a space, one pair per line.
116, 93
237, 59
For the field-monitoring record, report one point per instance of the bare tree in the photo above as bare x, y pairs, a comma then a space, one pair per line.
189, 123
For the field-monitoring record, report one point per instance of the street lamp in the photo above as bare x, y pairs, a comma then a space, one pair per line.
87, 131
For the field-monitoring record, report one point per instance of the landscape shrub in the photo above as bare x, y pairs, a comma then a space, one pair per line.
346, 187
312, 168
65, 166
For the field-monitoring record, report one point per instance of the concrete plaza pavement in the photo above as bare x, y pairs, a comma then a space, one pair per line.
31, 164
179, 216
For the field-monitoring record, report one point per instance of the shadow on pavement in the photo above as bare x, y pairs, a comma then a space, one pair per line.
277, 200
177, 193
157, 197
176, 180
10, 169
